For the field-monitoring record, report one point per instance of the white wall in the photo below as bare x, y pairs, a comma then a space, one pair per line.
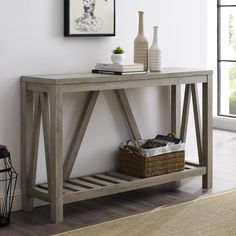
32, 42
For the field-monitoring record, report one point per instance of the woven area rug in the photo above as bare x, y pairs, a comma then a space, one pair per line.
214, 215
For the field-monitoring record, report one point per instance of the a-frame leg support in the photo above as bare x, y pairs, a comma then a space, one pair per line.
79, 134
123, 100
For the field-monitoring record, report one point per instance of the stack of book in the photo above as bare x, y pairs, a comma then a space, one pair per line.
116, 69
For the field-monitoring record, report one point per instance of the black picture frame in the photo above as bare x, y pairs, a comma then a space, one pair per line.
89, 18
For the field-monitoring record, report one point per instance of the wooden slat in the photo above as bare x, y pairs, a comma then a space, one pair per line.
96, 181
83, 183
197, 119
187, 167
73, 187
185, 113
46, 188
112, 179
188, 163
40, 194
41, 188
128, 113
78, 136
122, 176
175, 109
35, 140
66, 191
46, 133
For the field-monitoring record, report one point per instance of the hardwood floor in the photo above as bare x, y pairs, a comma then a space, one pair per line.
120, 205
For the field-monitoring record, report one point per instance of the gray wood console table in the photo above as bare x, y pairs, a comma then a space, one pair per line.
42, 98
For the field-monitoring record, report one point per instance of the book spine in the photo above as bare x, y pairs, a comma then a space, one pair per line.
108, 66
106, 72
119, 70
107, 69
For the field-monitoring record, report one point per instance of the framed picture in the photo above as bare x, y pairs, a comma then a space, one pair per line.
89, 18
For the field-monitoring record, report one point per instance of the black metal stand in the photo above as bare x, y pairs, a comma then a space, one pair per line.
8, 179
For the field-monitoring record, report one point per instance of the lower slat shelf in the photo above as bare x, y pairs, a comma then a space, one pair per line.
98, 185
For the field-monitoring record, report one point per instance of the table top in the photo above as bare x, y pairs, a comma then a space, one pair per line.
80, 78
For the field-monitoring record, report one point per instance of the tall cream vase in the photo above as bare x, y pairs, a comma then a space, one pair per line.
154, 54
141, 44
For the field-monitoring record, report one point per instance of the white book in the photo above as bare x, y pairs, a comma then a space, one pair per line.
120, 68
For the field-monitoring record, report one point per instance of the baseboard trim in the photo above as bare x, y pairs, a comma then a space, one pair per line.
17, 206
226, 123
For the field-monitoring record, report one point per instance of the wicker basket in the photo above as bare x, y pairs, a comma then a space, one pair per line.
133, 163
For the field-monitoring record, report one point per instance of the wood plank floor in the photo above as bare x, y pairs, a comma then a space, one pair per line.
120, 205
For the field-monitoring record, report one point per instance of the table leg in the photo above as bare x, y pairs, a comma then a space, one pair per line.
26, 133
56, 162
207, 132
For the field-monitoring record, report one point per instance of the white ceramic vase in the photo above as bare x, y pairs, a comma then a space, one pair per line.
117, 58
141, 44
154, 54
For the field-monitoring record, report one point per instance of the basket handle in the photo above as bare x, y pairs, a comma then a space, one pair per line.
132, 143
132, 146
172, 135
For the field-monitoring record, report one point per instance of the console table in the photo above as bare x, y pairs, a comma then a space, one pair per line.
42, 99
